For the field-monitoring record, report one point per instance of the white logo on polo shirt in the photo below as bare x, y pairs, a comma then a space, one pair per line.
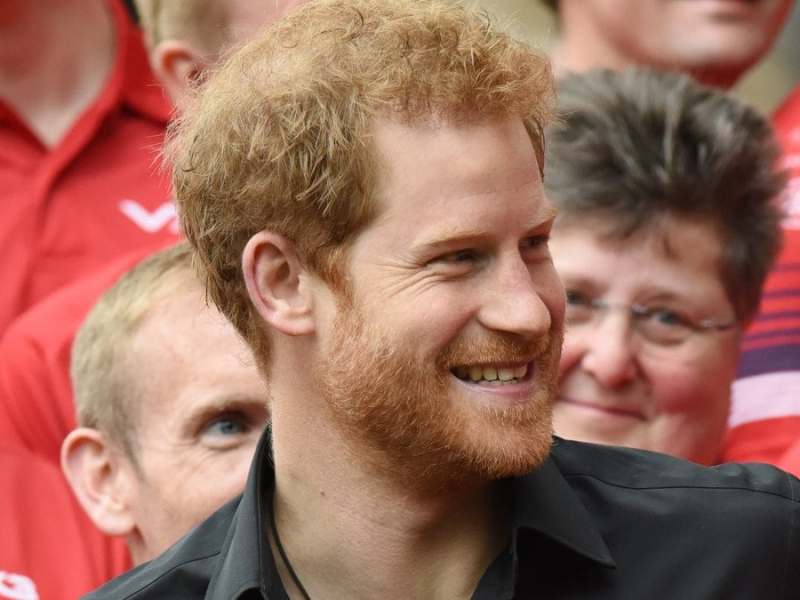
151, 222
17, 587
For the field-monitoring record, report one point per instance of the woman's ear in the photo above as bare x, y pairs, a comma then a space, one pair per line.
99, 480
276, 281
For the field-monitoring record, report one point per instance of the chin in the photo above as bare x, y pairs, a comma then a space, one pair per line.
509, 451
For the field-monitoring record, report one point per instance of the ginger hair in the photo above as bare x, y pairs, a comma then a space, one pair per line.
279, 136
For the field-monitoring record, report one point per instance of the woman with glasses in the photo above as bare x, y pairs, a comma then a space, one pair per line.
665, 233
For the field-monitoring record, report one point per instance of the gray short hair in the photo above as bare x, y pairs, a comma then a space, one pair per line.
634, 146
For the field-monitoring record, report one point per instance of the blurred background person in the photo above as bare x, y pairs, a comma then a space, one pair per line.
170, 407
714, 41
81, 120
36, 403
666, 231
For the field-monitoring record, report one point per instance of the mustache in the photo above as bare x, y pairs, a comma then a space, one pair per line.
499, 348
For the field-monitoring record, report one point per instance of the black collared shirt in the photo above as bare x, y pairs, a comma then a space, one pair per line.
592, 522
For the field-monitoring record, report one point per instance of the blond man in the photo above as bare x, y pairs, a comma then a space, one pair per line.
170, 406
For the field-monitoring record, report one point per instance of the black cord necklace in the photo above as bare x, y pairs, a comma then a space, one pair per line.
285, 558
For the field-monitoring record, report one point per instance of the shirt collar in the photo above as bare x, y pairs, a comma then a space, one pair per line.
543, 502
245, 560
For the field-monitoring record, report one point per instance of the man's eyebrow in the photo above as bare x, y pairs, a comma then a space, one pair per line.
464, 235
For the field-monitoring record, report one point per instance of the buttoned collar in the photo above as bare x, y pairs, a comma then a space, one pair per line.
543, 502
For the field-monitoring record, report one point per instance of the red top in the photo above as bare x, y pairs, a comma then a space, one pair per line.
765, 415
96, 195
37, 409
49, 550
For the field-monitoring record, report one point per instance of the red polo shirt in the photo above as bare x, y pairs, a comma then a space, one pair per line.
98, 194
37, 409
765, 414
49, 550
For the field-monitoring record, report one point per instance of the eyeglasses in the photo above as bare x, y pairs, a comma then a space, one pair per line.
658, 325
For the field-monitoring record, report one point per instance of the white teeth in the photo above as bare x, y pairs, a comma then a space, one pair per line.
492, 375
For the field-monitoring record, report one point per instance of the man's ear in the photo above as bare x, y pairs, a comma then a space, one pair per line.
177, 64
277, 283
100, 479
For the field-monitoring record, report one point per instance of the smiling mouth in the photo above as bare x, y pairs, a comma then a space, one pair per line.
498, 375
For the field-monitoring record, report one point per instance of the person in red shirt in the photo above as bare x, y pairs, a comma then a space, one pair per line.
36, 404
81, 122
765, 421
49, 549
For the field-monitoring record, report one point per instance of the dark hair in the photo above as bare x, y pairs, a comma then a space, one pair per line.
634, 146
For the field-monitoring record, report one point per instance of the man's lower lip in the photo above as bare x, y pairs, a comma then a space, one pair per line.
604, 410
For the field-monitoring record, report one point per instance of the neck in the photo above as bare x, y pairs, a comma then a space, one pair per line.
55, 56
350, 533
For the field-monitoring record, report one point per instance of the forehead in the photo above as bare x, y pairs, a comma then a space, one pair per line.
677, 256
439, 175
186, 356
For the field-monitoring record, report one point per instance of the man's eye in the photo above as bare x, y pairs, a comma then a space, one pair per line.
460, 256
227, 426
575, 298
460, 260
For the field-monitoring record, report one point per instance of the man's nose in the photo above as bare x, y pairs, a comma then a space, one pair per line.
608, 350
513, 303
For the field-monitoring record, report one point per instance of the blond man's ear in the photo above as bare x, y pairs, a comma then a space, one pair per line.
100, 478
